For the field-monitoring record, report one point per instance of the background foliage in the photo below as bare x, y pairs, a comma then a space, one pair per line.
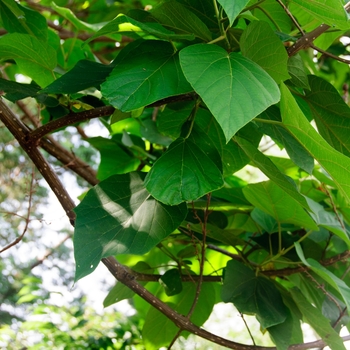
192, 94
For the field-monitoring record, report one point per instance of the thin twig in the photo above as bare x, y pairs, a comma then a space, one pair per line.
326, 53
286, 10
246, 326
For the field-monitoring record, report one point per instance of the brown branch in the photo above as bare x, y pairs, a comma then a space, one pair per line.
326, 53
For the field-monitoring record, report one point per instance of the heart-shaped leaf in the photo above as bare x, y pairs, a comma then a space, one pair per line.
119, 216
185, 172
140, 77
234, 88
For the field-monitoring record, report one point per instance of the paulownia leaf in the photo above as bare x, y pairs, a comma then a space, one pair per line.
271, 199
335, 163
83, 75
330, 12
327, 275
281, 334
35, 58
119, 216
297, 71
185, 172
17, 91
228, 83
178, 18
260, 44
253, 294
314, 317
159, 330
271, 171
140, 77
233, 8
331, 113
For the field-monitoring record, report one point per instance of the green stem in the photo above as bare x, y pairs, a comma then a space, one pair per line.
220, 24
268, 121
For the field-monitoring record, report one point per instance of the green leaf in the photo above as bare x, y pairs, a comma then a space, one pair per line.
271, 199
253, 294
281, 334
125, 24
330, 12
119, 216
171, 281
327, 275
140, 77
178, 18
297, 71
327, 220
271, 171
260, 44
114, 160
336, 164
297, 153
159, 330
233, 8
77, 78
19, 19
331, 113
17, 91
313, 316
227, 84
35, 58
185, 172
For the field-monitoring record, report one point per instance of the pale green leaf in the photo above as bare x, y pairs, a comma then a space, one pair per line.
260, 44
228, 83
233, 8
35, 58
119, 216
271, 199
140, 77
185, 172
336, 164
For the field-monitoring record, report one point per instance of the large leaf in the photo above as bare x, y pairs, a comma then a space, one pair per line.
83, 75
271, 199
185, 172
297, 71
253, 294
178, 18
314, 317
228, 83
336, 164
271, 171
330, 12
140, 77
35, 58
331, 113
159, 330
119, 216
261, 45
233, 8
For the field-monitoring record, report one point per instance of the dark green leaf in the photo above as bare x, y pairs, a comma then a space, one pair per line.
297, 71
17, 91
140, 77
227, 84
281, 334
270, 170
336, 164
179, 19
171, 281
185, 172
85, 74
119, 216
331, 113
253, 294
260, 44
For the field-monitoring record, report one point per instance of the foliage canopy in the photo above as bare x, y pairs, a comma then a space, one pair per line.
189, 91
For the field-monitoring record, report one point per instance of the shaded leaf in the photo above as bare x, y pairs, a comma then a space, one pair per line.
271, 199
140, 77
17, 91
336, 164
171, 281
253, 294
297, 71
119, 216
260, 44
233, 8
227, 84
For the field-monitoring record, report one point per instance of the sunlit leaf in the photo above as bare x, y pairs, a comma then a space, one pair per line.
233, 8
